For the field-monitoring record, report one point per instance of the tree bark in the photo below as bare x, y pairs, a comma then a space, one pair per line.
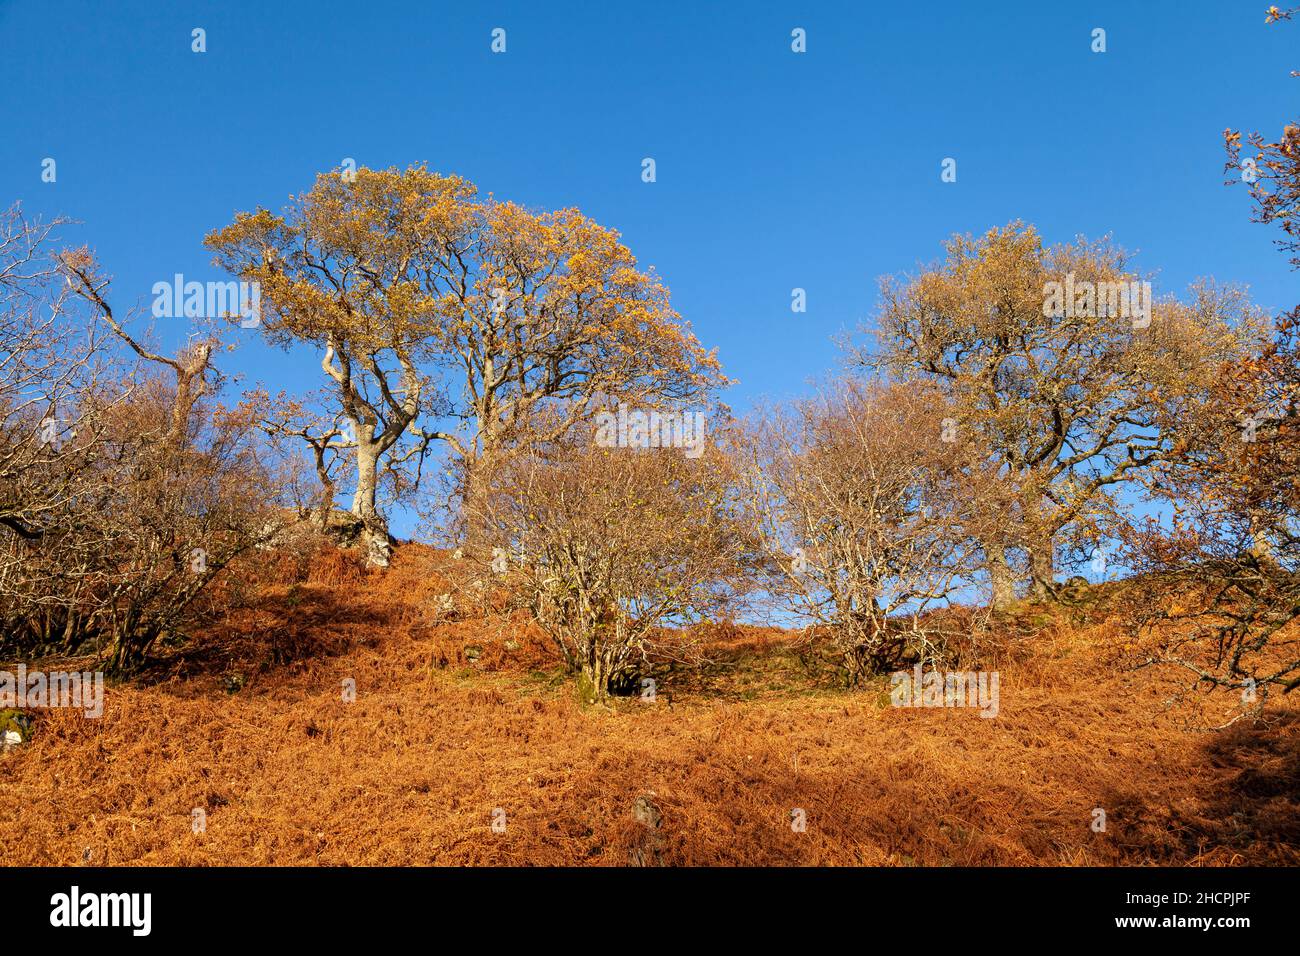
1260, 546
1001, 579
1042, 568
476, 504
375, 536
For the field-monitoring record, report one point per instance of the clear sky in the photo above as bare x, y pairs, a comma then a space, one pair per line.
775, 170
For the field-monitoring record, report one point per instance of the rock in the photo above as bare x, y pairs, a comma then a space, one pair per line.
648, 849
444, 609
293, 530
1075, 590
15, 727
646, 813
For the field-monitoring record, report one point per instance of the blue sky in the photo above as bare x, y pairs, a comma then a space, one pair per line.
775, 170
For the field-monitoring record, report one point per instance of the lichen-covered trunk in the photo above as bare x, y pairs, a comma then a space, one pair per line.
1001, 580
478, 534
1042, 567
374, 537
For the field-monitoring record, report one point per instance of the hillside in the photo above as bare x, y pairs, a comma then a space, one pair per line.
248, 723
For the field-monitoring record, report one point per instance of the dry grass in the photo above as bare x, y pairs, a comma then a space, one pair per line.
249, 724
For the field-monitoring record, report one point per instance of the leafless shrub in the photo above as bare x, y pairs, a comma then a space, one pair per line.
116, 523
864, 516
612, 548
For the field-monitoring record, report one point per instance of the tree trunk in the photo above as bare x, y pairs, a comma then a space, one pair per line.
375, 536
1042, 568
328, 493
1001, 579
476, 507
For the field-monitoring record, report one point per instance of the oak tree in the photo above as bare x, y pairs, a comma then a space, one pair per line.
1054, 360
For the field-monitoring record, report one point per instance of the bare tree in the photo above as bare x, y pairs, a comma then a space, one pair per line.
50, 354
125, 519
610, 547
865, 517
